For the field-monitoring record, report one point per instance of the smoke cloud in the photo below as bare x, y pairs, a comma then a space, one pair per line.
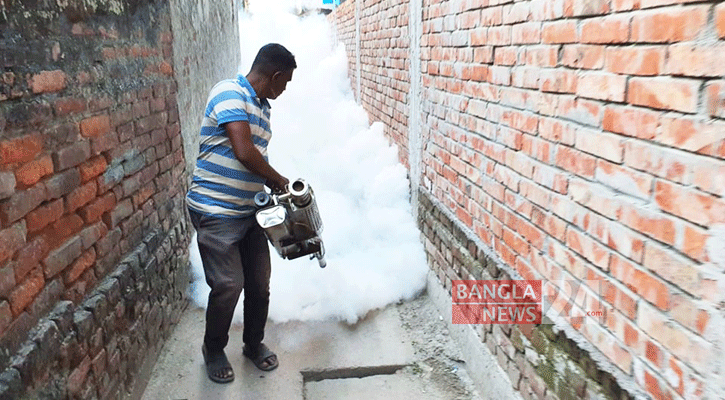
374, 254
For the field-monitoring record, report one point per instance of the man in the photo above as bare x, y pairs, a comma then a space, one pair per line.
231, 168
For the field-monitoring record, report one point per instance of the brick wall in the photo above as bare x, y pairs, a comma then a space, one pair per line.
206, 50
344, 22
93, 238
384, 62
578, 140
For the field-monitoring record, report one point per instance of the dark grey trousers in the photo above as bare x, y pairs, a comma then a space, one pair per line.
235, 256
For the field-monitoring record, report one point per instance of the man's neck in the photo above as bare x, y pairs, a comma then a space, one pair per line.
257, 81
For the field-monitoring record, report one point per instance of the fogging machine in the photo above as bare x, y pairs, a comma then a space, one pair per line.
292, 221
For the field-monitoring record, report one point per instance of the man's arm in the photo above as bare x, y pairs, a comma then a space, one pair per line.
241, 137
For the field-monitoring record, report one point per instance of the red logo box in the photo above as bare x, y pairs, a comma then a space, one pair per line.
497, 302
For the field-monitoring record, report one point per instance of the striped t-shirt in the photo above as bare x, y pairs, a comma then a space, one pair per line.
221, 186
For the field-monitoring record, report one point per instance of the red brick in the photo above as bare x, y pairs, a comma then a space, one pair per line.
630, 121
78, 377
688, 313
531, 233
654, 387
674, 376
464, 216
90, 235
583, 56
499, 36
689, 134
675, 269
95, 126
590, 7
669, 24
69, 105
29, 256
575, 161
536, 148
166, 69
11, 239
688, 347
649, 223
588, 248
93, 211
44, 215
631, 335
158, 104
542, 56
505, 56
7, 184
26, 291
100, 103
720, 20
513, 13
715, 92
664, 93
21, 203
555, 226
21, 149
558, 81
625, 5
628, 243
595, 197
557, 131
692, 205
610, 29
586, 112
510, 138
481, 55
641, 282
658, 3
521, 121
30, 173
92, 168
72, 155
80, 196
104, 143
686, 59
526, 33
641, 60
62, 183
600, 144
714, 180
653, 353
624, 179
602, 86
58, 259
6, 316
623, 302
657, 161
48, 82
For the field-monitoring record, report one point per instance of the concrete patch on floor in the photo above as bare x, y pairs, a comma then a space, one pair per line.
402, 385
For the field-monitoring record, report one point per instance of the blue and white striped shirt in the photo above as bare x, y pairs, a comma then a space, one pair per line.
221, 186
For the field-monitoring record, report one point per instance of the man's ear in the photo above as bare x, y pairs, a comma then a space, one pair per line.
276, 75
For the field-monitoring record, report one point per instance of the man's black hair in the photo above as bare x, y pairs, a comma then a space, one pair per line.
272, 58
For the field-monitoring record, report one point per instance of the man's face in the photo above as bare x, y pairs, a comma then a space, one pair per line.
278, 83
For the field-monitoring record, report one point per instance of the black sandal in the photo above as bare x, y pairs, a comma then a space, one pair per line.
261, 356
216, 366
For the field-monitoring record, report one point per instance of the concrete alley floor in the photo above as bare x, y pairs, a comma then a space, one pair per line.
402, 351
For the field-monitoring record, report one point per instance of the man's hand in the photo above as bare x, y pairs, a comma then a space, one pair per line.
279, 185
